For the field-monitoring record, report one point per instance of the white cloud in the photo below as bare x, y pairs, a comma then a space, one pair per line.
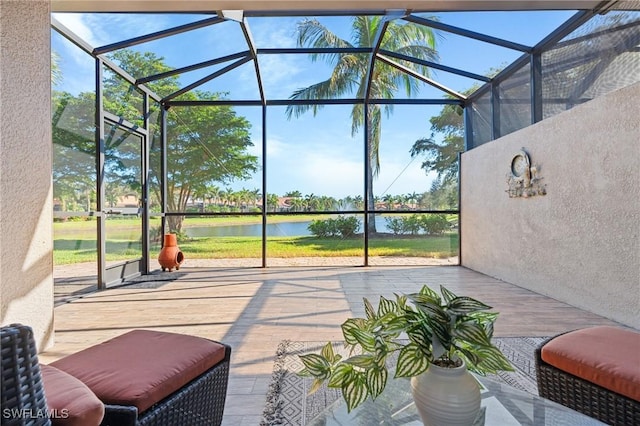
275, 148
335, 171
316, 173
78, 25
78, 68
402, 178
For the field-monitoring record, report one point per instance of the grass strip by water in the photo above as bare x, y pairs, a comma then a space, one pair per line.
76, 250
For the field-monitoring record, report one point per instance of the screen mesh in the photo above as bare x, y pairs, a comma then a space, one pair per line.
481, 120
515, 101
599, 57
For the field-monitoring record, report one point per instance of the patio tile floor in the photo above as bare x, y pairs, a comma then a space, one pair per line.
253, 309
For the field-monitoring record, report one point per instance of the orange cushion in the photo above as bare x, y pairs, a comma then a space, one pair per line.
71, 402
606, 356
142, 367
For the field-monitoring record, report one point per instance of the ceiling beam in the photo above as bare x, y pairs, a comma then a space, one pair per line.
421, 77
254, 54
193, 67
211, 6
467, 33
157, 35
435, 65
208, 78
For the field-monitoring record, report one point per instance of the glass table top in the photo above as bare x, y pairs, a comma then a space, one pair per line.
502, 405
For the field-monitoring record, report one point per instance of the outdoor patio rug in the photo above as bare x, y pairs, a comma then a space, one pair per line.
288, 402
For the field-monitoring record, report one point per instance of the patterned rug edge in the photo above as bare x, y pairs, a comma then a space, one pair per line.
272, 414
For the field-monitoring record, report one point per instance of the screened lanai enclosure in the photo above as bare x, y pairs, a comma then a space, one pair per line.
275, 138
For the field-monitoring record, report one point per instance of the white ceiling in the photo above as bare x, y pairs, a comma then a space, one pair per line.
324, 5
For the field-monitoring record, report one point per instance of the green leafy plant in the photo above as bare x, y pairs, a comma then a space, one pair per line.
342, 226
424, 328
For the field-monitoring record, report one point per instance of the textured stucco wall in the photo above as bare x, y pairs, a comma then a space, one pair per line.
580, 243
26, 243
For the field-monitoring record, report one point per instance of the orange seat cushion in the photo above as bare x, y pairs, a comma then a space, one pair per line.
142, 367
70, 402
606, 356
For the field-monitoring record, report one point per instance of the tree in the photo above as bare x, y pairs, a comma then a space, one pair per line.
443, 194
272, 202
213, 194
297, 204
441, 156
388, 201
358, 202
73, 135
412, 198
294, 194
205, 144
350, 75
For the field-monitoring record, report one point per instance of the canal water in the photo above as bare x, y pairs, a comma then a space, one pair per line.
281, 229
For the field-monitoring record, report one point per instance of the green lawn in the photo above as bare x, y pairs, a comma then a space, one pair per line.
75, 251
75, 242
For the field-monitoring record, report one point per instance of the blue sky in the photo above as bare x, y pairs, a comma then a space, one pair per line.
311, 154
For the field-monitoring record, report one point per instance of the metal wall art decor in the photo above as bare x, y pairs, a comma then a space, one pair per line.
523, 178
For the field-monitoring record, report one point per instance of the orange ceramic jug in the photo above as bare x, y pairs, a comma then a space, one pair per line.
170, 256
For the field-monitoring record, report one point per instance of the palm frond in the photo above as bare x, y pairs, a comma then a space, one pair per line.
311, 33
350, 71
315, 91
364, 29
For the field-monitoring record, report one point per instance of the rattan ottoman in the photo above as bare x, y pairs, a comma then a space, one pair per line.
608, 355
146, 377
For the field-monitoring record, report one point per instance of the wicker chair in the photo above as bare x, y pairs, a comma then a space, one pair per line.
199, 402
22, 393
583, 396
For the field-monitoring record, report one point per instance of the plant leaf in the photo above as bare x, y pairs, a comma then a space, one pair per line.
471, 357
363, 361
401, 301
316, 365
395, 326
441, 331
376, 380
327, 352
432, 309
492, 360
340, 375
425, 299
487, 319
365, 338
368, 309
488, 329
354, 391
425, 290
348, 328
448, 295
411, 361
386, 306
317, 384
421, 336
465, 305
471, 332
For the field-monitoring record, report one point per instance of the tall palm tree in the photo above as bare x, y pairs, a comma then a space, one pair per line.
350, 74
272, 202
213, 193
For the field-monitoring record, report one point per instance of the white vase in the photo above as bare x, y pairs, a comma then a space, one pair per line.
446, 396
